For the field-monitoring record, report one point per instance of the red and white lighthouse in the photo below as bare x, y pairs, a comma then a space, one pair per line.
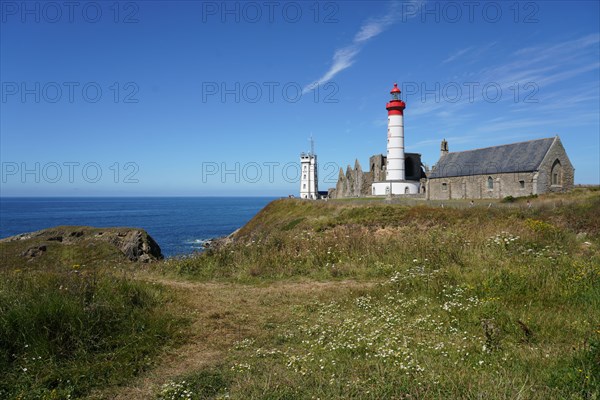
395, 179
395, 135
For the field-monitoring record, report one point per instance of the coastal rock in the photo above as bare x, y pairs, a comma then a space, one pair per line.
34, 251
217, 243
137, 245
134, 244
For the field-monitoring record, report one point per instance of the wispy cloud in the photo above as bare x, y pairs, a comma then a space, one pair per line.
536, 71
553, 93
470, 53
457, 55
345, 56
547, 64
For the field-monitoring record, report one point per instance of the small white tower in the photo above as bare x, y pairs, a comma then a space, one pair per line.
309, 183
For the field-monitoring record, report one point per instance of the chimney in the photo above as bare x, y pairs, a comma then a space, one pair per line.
443, 148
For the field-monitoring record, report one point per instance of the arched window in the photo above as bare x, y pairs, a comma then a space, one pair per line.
556, 173
490, 183
406, 190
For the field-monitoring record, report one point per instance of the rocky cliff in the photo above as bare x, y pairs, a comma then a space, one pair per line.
80, 242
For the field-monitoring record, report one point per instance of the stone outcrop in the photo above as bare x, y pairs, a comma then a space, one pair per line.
137, 245
134, 244
34, 251
219, 242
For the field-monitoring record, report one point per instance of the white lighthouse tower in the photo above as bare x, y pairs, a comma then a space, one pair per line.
309, 183
395, 183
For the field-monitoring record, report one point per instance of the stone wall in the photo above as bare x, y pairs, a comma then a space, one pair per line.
476, 186
567, 172
509, 184
378, 164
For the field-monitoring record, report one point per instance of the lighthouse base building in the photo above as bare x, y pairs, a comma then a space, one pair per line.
387, 188
412, 184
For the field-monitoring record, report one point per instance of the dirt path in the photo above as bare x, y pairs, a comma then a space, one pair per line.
222, 313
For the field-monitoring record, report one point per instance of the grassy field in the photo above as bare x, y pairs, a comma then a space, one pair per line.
73, 320
347, 299
431, 302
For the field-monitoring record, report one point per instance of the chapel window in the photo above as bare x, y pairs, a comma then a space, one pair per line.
556, 173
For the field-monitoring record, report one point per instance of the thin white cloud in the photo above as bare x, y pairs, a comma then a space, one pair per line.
535, 71
550, 88
469, 54
547, 64
457, 55
568, 46
346, 56
564, 75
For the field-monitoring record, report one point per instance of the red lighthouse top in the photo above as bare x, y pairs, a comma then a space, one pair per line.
395, 105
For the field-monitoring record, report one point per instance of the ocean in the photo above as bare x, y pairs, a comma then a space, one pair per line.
179, 224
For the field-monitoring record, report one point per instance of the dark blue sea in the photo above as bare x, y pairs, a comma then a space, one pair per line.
179, 224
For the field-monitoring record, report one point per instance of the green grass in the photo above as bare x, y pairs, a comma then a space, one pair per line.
205, 384
496, 303
337, 299
63, 334
291, 239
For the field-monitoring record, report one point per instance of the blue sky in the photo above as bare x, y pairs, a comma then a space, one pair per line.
212, 98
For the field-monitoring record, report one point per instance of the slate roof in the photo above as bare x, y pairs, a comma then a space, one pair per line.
508, 158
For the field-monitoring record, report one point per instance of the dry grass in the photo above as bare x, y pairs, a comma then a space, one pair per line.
499, 302
373, 300
222, 314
